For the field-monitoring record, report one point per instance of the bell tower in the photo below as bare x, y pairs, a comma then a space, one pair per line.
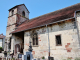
17, 15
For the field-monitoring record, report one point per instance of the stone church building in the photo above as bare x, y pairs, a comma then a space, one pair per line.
58, 31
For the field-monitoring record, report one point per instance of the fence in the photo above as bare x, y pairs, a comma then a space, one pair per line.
10, 59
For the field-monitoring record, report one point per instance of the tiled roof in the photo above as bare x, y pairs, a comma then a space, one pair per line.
55, 16
1, 36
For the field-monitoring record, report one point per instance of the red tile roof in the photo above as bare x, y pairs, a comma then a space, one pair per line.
55, 16
1, 36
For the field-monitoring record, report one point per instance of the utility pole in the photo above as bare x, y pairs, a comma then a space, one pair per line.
48, 44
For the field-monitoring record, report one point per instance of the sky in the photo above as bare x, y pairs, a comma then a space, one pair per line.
35, 7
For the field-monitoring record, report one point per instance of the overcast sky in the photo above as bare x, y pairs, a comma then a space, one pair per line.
35, 7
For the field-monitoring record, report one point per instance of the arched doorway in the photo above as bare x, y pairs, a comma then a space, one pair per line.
17, 48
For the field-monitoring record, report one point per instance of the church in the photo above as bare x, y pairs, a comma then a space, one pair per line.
56, 34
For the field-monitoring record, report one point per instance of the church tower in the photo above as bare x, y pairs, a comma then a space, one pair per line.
17, 15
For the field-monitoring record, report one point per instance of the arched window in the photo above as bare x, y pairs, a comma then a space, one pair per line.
23, 13
35, 39
12, 12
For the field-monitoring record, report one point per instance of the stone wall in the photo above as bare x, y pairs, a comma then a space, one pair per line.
9, 30
69, 39
11, 20
21, 18
23, 8
10, 12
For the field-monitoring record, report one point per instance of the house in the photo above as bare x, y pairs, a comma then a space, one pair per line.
56, 34
2, 40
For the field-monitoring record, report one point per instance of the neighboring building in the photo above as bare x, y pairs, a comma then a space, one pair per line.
64, 32
2, 40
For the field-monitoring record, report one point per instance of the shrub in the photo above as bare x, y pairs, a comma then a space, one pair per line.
43, 57
1, 49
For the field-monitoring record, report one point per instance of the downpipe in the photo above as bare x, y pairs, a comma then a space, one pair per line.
48, 43
77, 27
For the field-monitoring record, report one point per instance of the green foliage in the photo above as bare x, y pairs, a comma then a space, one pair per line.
1, 49
13, 58
43, 57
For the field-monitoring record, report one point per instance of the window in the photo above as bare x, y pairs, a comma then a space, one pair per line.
58, 40
35, 39
12, 12
10, 43
23, 13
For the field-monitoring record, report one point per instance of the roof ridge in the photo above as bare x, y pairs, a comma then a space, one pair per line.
55, 11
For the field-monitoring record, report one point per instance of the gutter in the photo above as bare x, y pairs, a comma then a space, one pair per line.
77, 26
47, 24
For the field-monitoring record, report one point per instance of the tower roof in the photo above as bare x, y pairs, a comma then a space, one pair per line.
17, 6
